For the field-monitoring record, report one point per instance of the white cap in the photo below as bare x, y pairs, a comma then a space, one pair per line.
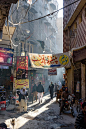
24, 87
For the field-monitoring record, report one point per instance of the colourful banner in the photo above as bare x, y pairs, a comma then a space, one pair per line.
21, 83
52, 71
6, 56
49, 60
22, 62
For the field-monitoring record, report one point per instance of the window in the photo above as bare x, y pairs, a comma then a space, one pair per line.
85, 12
80, 19
21, 47
75, 25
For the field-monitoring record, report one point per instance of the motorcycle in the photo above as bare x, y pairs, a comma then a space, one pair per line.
68, 105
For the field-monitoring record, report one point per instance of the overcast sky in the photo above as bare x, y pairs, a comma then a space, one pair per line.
60, 13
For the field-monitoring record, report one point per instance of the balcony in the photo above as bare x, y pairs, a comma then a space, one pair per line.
53, 6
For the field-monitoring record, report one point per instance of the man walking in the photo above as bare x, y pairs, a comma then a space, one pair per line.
51, 86
22, 99
34, 92
40, 91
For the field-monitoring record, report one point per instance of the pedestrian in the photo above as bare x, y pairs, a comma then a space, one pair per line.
34, 92
22, 99
55, 87
51, 86
80, 122
62, 89
40, 90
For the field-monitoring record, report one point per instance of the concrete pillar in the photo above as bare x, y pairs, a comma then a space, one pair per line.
82, 80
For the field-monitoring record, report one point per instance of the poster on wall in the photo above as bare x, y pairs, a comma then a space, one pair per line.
22, 62
78, 86
49, 60
6, 56
20, 83
52, 71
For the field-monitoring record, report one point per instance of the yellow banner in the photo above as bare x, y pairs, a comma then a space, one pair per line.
21, 83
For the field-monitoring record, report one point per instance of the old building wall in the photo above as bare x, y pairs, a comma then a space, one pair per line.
78, 36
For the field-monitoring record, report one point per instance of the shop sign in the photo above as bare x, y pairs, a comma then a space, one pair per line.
52, 71
6, 56
22, 62
49, 60
20, 83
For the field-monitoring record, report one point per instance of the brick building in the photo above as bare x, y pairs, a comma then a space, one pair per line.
74, 39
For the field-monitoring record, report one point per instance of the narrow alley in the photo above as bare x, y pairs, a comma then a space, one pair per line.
39, 116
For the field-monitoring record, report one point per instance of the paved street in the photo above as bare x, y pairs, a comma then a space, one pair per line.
40, 116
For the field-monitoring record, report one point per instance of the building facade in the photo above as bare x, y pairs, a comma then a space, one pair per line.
74, 40
39, 36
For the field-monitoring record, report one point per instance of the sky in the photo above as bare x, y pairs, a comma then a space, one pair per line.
60, 5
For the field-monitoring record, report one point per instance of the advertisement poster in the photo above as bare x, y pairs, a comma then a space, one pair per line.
52, 71
22, 62
21, 83
78, 86
49, 60
6, 56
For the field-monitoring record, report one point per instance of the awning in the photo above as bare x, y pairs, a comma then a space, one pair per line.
79, 53
5, 37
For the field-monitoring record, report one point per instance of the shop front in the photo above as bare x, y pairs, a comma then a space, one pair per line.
6, 59
79, 62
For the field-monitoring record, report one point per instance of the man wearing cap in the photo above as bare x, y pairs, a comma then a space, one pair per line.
22, 99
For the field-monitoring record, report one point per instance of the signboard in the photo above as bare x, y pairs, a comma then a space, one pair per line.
49, 60
22, 74
21, 83
6, 56
22, 62
52, 71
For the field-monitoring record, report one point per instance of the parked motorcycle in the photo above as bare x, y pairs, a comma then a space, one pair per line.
68, 105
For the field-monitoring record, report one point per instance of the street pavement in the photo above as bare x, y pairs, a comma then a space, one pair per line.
39, 116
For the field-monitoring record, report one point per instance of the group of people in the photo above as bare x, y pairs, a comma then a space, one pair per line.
37, 90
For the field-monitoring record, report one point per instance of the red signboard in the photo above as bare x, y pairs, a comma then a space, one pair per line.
3, 105
52, 72
22, 62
